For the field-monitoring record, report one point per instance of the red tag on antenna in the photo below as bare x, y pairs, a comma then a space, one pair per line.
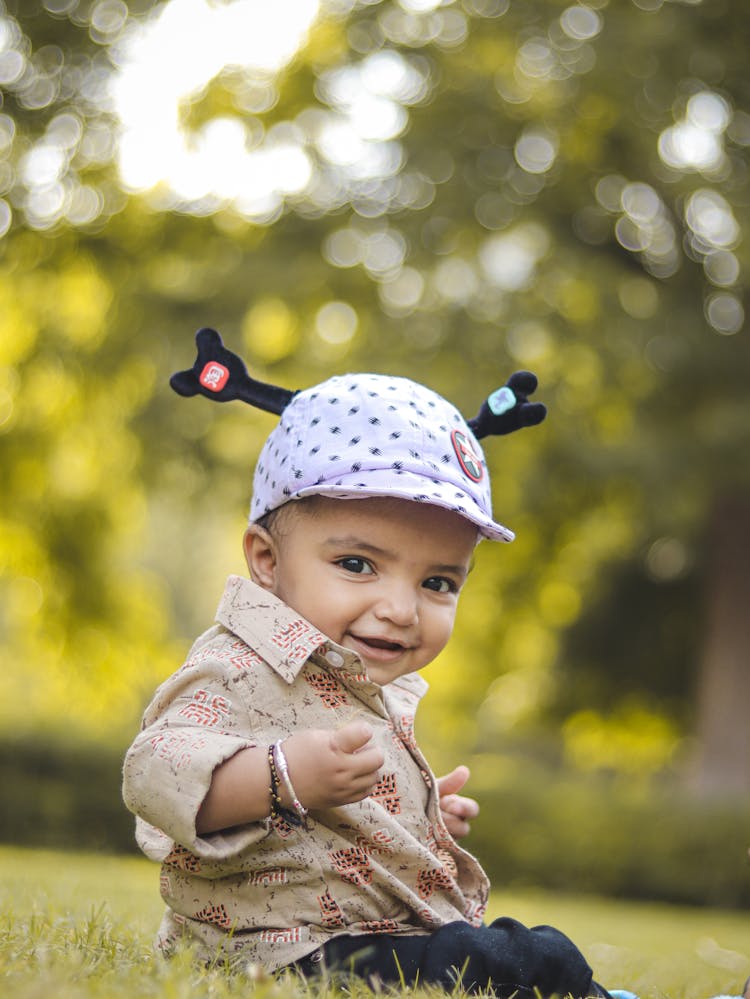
214, 376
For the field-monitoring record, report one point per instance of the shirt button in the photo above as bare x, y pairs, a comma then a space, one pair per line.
334, 658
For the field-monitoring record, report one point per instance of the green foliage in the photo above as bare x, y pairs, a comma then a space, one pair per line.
606, 835
64, 795
527, 219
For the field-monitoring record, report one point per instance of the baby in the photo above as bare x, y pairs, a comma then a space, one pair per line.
276, 776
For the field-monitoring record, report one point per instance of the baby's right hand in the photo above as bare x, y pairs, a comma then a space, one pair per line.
330, 767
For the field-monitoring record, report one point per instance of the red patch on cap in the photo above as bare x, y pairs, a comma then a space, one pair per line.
214, 376
469, 460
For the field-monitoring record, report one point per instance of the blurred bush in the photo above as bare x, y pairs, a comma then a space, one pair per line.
63, 796
559, 830
565, 830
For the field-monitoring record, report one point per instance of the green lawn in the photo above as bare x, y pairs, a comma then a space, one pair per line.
80, 926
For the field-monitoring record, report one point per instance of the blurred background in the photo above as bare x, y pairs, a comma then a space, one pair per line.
444, 189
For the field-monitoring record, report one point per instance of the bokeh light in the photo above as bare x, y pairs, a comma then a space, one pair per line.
326, 157
509, 259
581, 23
644, 224
696, 141
171, 59
402, 294
711, 220
535, 150
336, 322
725, 312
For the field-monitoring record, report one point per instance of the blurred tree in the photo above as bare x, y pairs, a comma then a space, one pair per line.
448, 190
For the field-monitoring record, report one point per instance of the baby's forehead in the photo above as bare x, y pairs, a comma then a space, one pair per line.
363, 518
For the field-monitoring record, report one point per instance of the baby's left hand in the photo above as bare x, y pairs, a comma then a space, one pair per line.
456, 809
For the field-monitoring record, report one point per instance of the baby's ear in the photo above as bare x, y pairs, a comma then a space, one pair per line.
261, 556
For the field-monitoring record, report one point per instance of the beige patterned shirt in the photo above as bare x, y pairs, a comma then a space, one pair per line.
268, 892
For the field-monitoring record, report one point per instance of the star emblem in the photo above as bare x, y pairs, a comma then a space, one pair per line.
469, 460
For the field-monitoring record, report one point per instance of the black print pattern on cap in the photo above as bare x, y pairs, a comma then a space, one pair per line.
373, 435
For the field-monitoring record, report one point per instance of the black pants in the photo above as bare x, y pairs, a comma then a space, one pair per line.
505, 956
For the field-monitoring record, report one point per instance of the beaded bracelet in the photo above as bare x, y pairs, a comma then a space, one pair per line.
282, 768
278, 810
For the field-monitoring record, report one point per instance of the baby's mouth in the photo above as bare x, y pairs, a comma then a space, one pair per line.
382, 648
381, 643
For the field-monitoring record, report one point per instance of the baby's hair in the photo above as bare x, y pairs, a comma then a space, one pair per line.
273, 521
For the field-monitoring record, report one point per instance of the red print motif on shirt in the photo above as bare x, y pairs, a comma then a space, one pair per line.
378, 926
439, 842
385, 791
353, 865
281, 826
244, 658
293, 935
296, 641
183, 859
430, 840
271, 876
216, 914
177, 749
205, 708
330, 912
430, 881
448, 861
379, 843
474, 913
328, 690
406, 731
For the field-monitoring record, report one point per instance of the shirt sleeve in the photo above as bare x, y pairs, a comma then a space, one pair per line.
197, 720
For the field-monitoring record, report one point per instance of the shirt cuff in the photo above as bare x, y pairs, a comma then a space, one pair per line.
166, 790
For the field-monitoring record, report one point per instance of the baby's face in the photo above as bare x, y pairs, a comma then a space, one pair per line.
378, 576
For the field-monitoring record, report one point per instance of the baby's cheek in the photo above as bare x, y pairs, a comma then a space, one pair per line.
447, 626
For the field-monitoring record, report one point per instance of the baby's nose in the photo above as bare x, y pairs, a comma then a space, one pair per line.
398, 604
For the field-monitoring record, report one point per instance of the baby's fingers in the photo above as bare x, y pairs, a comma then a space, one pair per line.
367, 761
366, 784
351, 738
453, 782
349, 787
456, 826
459, 805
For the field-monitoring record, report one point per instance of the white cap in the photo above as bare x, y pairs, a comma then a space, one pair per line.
361, 435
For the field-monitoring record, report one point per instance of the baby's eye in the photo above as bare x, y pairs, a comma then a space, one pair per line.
360, 566
440, 584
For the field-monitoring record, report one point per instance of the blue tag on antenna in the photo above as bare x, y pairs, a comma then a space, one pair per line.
501, 400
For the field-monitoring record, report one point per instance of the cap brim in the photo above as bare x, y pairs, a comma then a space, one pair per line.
414, 488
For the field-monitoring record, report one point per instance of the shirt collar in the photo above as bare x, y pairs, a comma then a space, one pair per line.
269, 626
284, 638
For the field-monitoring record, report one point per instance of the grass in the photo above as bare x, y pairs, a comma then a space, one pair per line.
77, 926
